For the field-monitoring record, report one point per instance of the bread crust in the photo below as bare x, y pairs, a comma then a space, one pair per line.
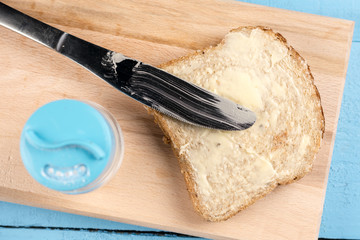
185, 166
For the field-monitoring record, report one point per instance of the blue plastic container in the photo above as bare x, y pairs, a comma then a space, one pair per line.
72, 146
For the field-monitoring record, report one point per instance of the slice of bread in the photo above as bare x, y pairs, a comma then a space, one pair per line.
227, 171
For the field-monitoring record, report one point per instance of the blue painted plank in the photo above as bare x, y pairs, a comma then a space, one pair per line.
341, 216
47, 234
20, 215
26, 217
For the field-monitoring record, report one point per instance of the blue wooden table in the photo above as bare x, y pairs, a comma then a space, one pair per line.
341, 216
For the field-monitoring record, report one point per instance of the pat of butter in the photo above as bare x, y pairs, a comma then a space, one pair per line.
278, 90
207, 157
218, 147
305, 141
263, 172
274, 117
241, 88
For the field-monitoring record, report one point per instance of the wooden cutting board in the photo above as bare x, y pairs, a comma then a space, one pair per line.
149, 189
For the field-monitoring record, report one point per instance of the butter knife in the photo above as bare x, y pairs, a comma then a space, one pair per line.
147, 84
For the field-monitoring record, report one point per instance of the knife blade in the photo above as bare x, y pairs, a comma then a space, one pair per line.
149, 85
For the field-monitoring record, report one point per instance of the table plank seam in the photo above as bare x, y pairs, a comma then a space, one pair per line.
127, 232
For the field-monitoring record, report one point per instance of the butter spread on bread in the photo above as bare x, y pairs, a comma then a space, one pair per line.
226, 171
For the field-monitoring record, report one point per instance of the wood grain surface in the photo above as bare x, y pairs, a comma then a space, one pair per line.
149, 189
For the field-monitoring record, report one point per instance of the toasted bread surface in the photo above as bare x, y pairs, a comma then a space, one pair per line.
225, 172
